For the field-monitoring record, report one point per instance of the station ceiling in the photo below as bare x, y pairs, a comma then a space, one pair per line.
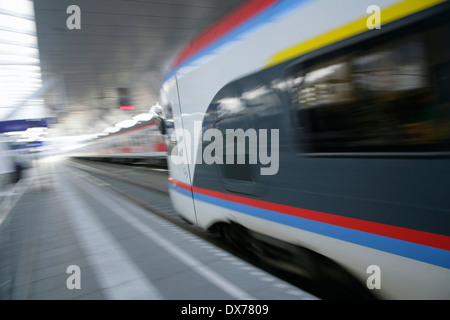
121, 46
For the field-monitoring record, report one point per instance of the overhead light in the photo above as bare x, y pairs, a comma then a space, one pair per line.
21, 7
15, 59
20, 68
20, 72
37, 130
34, 133
17, 23
126, 108
14, 133
27, 74
17, 49
19, 38
25, 140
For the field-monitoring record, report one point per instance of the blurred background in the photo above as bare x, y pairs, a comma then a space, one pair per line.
60, 84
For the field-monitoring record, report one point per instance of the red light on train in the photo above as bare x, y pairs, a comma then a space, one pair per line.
126, 107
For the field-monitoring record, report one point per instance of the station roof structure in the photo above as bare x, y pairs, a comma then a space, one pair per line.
76, 63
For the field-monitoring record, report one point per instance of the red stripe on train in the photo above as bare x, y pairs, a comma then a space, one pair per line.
405, 234
220, 28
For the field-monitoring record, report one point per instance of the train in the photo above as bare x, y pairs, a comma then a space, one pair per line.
142, 143
319, 131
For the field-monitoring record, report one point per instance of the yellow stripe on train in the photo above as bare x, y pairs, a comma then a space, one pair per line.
390, 14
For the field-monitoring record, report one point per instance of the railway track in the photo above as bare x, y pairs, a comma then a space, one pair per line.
153, 198
148, 188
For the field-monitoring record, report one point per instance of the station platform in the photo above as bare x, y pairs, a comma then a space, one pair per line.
64, 237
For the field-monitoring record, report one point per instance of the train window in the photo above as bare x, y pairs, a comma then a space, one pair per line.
235, 120
236, 108
387, 73
326, 85
385, 98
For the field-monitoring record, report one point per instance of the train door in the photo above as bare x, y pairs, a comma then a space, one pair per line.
247, 114
178, 145
235, 123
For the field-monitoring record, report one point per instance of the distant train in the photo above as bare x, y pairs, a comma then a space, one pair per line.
303, 128
141, 143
